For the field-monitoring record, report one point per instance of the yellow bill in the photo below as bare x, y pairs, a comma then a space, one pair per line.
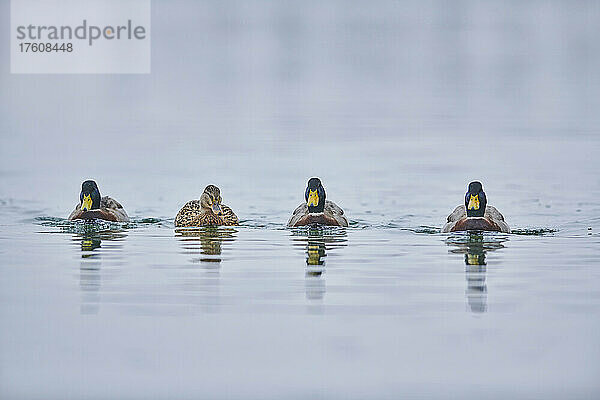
473, 202
313, 198
86, 204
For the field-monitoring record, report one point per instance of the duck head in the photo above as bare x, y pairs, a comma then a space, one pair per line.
315, 196
89, 196
475, 200
211, 199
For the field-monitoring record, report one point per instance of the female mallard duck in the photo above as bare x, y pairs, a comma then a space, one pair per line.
93, 206
206, 211
317, 210
475, 214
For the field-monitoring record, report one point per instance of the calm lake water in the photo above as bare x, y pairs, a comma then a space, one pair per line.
396, 106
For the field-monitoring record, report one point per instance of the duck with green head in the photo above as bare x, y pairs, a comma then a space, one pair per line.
207, 211
475, 214
93, 206
317, 210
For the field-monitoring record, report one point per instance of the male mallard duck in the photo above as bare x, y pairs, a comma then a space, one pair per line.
475, 214
317, 210
206, 211
93, 206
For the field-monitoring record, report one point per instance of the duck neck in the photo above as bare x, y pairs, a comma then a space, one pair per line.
319, 208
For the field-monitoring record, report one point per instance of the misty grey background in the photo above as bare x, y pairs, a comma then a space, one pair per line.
396, 106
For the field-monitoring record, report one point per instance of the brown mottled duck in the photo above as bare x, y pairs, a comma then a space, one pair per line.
207, 211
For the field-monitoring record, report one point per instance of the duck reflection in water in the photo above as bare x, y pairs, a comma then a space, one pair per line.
205, 245
90, 267
317, 241
206, 241
474, 246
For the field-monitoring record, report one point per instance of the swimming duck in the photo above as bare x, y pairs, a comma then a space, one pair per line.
475, 214
317, 210
93, 206
206, 211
